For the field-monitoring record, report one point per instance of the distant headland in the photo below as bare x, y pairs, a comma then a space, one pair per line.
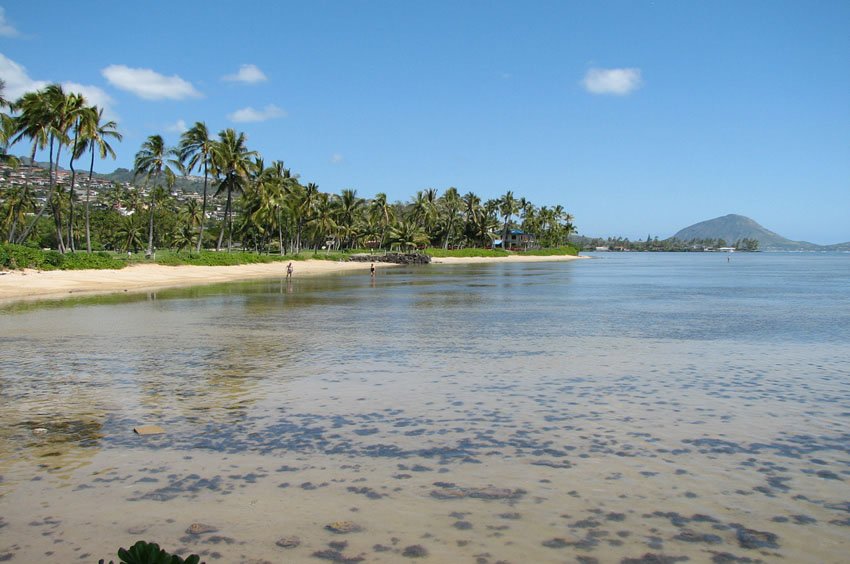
730, 231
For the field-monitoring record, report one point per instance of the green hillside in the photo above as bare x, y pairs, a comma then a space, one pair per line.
735, 227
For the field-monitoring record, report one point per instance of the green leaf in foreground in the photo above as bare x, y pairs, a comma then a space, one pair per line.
150, 553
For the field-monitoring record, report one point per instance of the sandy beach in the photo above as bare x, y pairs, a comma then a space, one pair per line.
54, 284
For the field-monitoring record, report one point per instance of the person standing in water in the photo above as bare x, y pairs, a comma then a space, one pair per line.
372, 270
289, 271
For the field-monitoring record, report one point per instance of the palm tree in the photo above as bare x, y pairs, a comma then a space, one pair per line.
17, 202
303, 203
7, 128
508, 206
95, 135
349, 207
78, 112
382, 213
62, 109
195, 151
325, 222
408, 235
34, 121
451, 207
182, 237
191, 213
129, 232
151, 160
424, 209
232, 160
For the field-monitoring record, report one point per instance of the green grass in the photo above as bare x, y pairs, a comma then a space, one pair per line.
211, 258
472, 252
557, 251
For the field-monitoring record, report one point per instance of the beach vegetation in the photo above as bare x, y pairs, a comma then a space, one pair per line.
240, 204
468, 252
566, 250
14, 257
150, 553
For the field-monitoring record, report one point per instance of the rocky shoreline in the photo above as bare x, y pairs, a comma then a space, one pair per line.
394, 258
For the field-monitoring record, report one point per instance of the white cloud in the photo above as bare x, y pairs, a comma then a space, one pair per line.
177, 127
250, 74
18, 81
249, 114
336, 158
149, 84
612, 81
7, 29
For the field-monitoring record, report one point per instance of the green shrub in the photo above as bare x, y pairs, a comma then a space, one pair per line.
150, 553
19, 257
211, 258
84, 261
471, 252
555, 251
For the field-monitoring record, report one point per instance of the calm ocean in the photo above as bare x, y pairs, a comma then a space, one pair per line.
632, 407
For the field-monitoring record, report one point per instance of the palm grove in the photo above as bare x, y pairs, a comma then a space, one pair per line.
266, 208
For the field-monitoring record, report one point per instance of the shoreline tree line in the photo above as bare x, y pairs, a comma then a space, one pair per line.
266, 208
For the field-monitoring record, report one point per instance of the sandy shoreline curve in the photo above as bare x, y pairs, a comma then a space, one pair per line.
54, 284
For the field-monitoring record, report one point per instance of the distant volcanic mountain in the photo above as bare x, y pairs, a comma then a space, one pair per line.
732, 228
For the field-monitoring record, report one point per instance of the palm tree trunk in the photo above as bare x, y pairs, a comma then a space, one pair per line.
203, 211
53, 191
26, 192
57, 218
280, 232
153, 207
224, 225
25, 235
448, 232
71, 200
88, 196
229, 219
150, 228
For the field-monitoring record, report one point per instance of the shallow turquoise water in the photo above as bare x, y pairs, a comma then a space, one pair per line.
657, 389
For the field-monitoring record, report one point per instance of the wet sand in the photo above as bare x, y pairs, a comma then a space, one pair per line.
34, 284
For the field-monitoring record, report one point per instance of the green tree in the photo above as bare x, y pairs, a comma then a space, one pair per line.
381, 214
407, 235
508, 206
35, 121
95, 136
349, 207
232, 161
130, 232
195, 151
451, 205
78, 113
152, 161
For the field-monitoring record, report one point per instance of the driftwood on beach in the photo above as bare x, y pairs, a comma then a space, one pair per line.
395, 258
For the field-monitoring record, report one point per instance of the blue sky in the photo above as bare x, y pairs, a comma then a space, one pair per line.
639, 117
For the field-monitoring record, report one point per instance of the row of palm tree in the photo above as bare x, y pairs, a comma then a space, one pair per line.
264, 206
55, 119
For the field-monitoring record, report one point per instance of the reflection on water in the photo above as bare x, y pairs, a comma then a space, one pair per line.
639, 406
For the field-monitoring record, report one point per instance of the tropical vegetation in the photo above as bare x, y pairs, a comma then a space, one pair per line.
246, 203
